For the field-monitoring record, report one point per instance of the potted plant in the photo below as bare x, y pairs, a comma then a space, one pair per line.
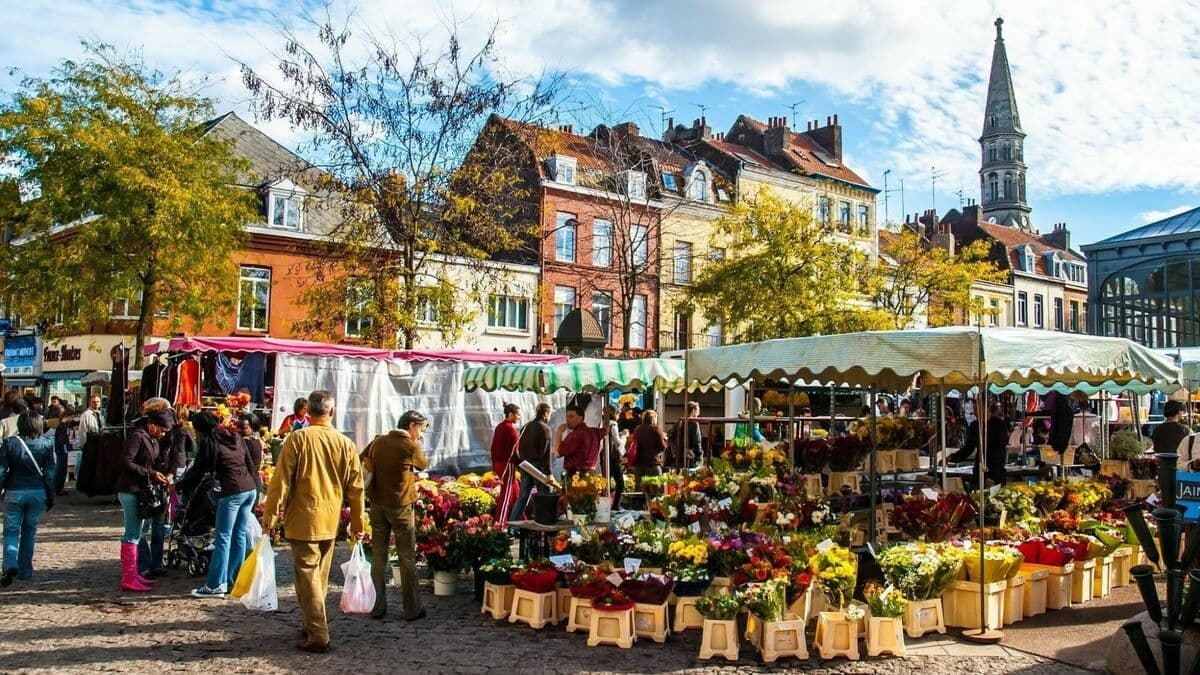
720, 634
583, 490
440, 554
538, 576
921, 572
835, 571
648, 589
885, 628
688, 566
478, 539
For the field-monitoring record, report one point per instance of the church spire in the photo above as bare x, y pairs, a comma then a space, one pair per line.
1002, 173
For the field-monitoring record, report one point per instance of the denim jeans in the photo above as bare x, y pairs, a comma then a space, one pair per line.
150, 549
60, 470
229, 541
527, 485
22, 511
135, 528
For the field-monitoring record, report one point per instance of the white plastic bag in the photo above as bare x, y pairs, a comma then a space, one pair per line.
263, 596
253, 530
358, 594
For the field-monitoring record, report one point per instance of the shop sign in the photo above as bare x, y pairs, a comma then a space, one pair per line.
1187, 492
21, 354
60, 354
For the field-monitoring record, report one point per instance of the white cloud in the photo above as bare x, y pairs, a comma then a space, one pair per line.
1157, 215
1103, 88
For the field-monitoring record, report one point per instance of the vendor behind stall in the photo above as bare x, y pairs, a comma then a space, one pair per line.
577, 443
996, 453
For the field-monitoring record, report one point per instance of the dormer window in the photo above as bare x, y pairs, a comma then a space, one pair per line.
1053, 265
1074, 272
1026, 253
634, 184
562, 169
285, 206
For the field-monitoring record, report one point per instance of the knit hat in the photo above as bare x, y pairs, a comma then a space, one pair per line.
164, 418
205, 422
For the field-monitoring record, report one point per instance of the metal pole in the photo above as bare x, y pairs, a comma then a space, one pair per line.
686, 424
791, 444
750, 407
871, 526
942, 431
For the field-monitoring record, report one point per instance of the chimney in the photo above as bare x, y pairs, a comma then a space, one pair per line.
1060, 237
828, 136
625, 130
944, 239
567, 128
776, 137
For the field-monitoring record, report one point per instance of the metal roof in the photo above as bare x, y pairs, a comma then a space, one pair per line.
1182, 223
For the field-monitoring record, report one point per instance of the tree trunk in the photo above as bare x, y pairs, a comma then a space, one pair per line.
145, 324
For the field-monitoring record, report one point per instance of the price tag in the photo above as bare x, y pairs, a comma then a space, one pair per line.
994, 489
929, 494
632, 565
615, 579
1153, 500
824, 546
1003, 516
560, 560
696, 528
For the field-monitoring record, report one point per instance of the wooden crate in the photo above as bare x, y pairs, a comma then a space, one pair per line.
1102, 579
497, 600
719, 638
534, 609
611, 628
686, 615
812, 485
908, 460
1058, 583
885, 461
1140, 488
782, 638
1115, 467
924, 616
1035, 591
839, 478
1082, 581
1122, 561
1014, 600
836, 636
651, 621
885, 635
960, 602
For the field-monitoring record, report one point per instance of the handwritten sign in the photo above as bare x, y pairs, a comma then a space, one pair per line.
929, 494
632, 565
824, 546
560, 560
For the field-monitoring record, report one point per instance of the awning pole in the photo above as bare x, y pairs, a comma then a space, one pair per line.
871, 525
789, 438
942, 431
687, 425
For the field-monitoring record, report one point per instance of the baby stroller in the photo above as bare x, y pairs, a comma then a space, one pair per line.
191, 543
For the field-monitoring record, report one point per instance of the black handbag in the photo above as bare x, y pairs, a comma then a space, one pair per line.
47, 486
152, 500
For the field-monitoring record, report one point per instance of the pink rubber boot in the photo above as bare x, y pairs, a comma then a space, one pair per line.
130, 581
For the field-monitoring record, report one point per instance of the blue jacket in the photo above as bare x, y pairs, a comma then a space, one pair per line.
17, 472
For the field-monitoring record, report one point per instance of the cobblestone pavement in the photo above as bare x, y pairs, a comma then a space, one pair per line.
72, 617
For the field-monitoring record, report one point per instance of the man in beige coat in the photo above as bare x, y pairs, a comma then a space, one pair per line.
318, 469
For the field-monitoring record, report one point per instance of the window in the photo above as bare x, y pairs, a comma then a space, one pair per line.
126, 307
991, 153
285, 211
1007, 151
1075, 272
715, 335
564, 237
1026, 253
427, 312
993, 187
508, 313
844, 216
683, 331
639, 242
602, 232
563, 169
1074, 316
864, 218
699, 186
994, 313
716, 254
683, 262
823, 210
1058, 314
358, 320
635, 184
669, 182
1038, 317
564, 302
602, 303
254, 298
1008, 187
637, 323
1022, 308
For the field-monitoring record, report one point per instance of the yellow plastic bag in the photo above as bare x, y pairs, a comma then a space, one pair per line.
245, 575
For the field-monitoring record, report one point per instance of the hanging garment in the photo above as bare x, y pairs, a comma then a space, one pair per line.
151, 381
189, 382
114, 414
251, 375
227, 373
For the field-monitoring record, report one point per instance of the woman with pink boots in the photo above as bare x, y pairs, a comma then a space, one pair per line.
139, 491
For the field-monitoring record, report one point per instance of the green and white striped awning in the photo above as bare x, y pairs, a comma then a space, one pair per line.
581, 375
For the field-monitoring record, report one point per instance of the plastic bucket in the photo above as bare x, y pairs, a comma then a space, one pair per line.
444, 583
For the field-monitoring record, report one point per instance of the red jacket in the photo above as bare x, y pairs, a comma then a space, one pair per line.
504, 441
581, 448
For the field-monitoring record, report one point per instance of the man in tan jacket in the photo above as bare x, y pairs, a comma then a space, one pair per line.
318, 469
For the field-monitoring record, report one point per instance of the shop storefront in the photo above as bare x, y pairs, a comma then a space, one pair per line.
23, 363
67, 361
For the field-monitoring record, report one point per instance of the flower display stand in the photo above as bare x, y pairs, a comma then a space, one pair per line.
611, 627
534, 609
802, 607
1122, 561
1058, 583
862, 623
1082, 581
650, 621
1115, 467
908, 460
1140, 488
812, 485
782, 638
885, 461
839, 478
961, 601
686, 615
955, 486
885, 634
562, 598
719, 638
924, 616
1014, 599
497, 600
1035, 591
836, 636
1102, 578
719, 586
579, 614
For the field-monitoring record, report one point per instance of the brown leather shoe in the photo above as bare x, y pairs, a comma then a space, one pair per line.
312, 647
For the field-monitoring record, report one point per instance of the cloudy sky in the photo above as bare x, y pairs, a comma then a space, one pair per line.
1105, 89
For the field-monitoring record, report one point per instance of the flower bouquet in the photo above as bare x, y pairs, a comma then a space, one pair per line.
438, 550
582, 492
812, 453
934, 520
473, 501
591, 583
1043, 551
884, 601
588, 545
719, 607
648, 589
613, 601
480, 538
836, 570
1144, 468
921, 571
766, 600
999, 563
653, 486
650, 543
690, 580
847, 452
497, 571
728, 552
537, 576
1015, 500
